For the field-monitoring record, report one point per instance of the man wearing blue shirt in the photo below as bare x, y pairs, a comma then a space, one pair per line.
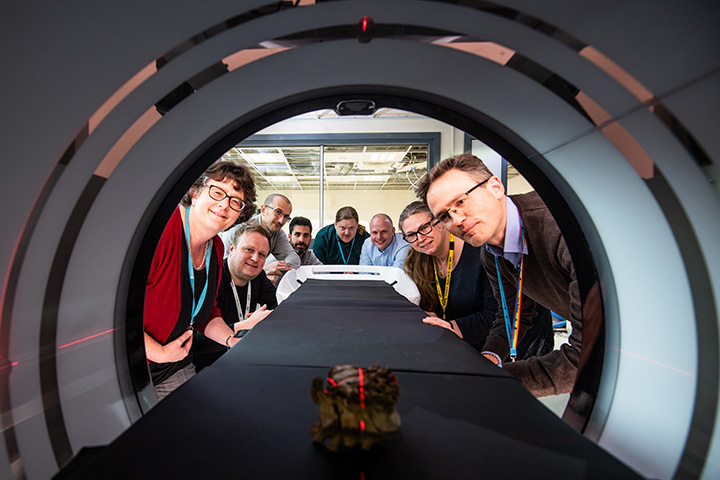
384, 248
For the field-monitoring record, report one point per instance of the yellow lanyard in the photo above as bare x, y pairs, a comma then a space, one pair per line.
444, 298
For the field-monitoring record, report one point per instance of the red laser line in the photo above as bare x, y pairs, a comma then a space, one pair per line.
682, 372
86, 338
362, 397
362, 390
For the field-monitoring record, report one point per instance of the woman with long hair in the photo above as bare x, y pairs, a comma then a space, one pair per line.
341, 243
454, 290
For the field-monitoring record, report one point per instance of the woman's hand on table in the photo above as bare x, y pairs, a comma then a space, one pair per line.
451, 325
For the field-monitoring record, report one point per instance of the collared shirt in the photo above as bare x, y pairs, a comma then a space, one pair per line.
393, 255
513, 240
280, 247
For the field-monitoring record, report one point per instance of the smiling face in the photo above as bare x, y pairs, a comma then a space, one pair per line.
480, 218
246, 257
426, 243
213, 215
381, 232
346, 229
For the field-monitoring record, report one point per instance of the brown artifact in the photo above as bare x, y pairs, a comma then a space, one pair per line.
357, 406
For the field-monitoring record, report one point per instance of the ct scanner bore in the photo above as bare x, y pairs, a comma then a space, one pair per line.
76, 226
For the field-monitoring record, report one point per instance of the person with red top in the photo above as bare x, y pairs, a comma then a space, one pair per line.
186, 271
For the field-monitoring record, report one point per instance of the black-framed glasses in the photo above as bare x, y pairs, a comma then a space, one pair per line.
218, 194
279, 213
457, 205
423, 229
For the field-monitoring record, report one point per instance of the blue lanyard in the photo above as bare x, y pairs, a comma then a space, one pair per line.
341, 250
191, 270
512, 331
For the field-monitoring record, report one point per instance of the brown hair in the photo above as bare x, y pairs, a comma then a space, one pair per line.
242, 181
300, 222
419, 266
349, 213
465, 162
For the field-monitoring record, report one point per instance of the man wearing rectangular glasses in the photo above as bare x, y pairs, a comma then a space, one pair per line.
520, 235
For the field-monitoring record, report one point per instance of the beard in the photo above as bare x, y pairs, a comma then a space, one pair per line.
300, 248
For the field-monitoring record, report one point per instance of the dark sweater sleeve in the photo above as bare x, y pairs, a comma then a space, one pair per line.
267, 292
320, 247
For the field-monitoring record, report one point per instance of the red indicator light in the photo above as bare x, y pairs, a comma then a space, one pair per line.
362, 426
365, 29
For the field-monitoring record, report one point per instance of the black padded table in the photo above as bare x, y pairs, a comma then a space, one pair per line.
360, 322
249, 415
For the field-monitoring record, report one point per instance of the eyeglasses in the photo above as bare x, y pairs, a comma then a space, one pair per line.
218, 194
279, 213
457, 206
424, 229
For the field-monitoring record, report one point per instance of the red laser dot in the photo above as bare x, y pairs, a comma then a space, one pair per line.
362, 426
332, 382
364, 24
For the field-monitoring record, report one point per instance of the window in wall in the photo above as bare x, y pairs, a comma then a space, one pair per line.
370, 176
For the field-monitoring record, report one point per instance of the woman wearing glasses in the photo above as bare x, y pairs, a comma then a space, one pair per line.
185, 273
454, 290
341, 243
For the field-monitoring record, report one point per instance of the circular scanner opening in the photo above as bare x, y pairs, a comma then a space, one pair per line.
131, 361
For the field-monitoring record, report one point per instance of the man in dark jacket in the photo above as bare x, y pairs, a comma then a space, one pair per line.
520, 235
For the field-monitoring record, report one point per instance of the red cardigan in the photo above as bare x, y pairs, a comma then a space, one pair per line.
162, 295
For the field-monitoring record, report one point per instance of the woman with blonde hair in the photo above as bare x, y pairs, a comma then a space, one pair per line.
454, 290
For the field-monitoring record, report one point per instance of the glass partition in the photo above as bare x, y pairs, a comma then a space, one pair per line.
372, 177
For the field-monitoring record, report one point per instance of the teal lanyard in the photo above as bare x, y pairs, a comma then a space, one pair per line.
352, 244
191, 270
512, 330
